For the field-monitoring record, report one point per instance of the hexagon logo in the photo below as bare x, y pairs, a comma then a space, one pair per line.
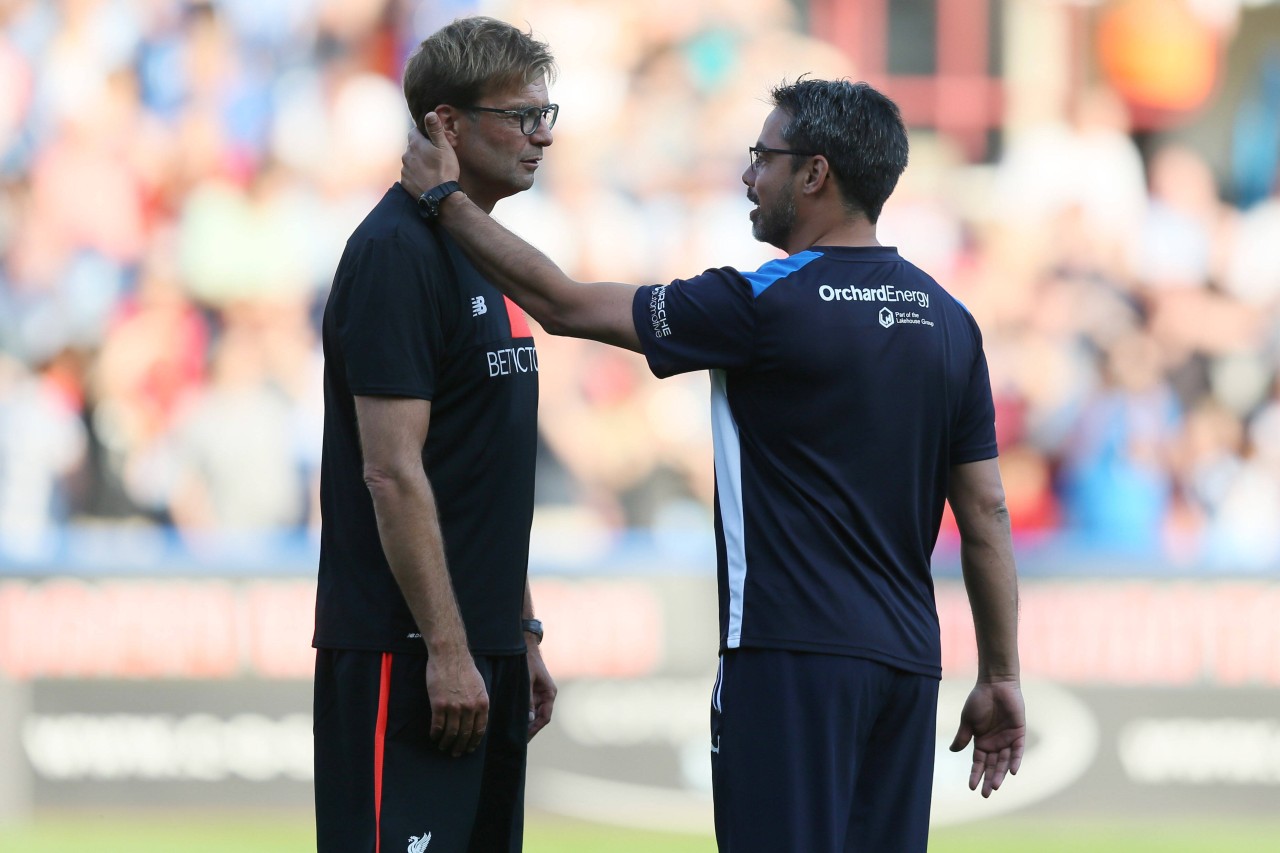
886, 317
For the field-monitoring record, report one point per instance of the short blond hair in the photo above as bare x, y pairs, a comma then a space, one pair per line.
469, 58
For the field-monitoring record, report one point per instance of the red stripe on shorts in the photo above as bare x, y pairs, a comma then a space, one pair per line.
379, 748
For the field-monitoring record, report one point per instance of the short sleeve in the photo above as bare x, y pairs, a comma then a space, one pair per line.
390, 321
702, 323
974, 435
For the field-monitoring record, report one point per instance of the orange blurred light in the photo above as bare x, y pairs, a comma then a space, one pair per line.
1157, 54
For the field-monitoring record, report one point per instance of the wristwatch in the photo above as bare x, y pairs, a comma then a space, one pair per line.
429, 201
532, 626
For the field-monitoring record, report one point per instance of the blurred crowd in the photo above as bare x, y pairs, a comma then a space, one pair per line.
177, 180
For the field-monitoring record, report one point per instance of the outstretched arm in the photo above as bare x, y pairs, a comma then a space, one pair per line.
600, 311
994, 717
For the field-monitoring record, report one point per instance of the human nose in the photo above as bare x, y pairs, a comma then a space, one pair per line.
541, 135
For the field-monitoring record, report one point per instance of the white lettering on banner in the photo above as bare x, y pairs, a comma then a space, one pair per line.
207, 629
883, 293
658, 312
1124, 632
504, 362
223, 629
1190, 751
198, 747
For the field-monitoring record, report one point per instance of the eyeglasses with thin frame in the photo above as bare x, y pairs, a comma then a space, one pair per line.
529, 117
755, 152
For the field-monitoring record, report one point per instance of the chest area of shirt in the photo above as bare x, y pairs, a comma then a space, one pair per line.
487, 334
490, 338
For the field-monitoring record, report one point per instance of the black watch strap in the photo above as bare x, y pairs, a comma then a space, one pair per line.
429, 201
532, 626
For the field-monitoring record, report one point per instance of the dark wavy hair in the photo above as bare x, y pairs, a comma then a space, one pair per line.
856, 128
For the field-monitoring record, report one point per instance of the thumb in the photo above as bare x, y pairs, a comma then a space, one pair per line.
963, 735
435, 130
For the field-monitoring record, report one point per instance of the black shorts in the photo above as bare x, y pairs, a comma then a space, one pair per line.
821, 753
381, 785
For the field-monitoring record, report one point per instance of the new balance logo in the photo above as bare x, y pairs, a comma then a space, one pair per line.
478, 307
418, 845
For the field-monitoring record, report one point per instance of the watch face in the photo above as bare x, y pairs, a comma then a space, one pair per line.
429, 201
428, 206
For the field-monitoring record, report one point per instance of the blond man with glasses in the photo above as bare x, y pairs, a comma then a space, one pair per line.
429, 682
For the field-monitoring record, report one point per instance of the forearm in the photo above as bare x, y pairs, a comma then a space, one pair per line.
542, 688
532, 632
526, 609
559, 304
515, 267
409, 529
991, 580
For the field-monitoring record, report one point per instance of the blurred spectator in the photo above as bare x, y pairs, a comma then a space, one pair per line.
1088, 163
1117, 487
235, 465
1252, 273
1255, 148
177, 180
1241, 532
152, 356
1181, 230
41, 442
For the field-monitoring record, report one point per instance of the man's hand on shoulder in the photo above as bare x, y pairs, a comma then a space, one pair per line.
427, 162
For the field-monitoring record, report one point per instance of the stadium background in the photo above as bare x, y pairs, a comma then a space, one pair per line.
1095, 180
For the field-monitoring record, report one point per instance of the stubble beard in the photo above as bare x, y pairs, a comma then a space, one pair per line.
774, 224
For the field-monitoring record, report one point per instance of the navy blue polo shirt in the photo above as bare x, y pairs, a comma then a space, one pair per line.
845, 382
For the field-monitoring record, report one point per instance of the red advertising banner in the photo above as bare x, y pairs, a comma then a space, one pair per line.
221, 629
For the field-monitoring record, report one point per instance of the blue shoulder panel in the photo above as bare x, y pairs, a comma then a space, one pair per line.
779, 269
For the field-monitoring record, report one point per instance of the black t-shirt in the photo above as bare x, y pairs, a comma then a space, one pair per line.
409, 316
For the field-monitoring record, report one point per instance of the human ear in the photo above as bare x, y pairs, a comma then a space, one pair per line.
817, 174
450, 118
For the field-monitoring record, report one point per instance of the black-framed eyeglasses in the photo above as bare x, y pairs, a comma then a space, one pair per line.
755, 152
529, 116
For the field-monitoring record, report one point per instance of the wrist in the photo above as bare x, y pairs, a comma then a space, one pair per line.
430, 203
1003, 675
452, 201
444, 648
532, 629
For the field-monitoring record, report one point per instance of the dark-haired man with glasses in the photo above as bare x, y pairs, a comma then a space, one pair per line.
429, 682
850, 403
